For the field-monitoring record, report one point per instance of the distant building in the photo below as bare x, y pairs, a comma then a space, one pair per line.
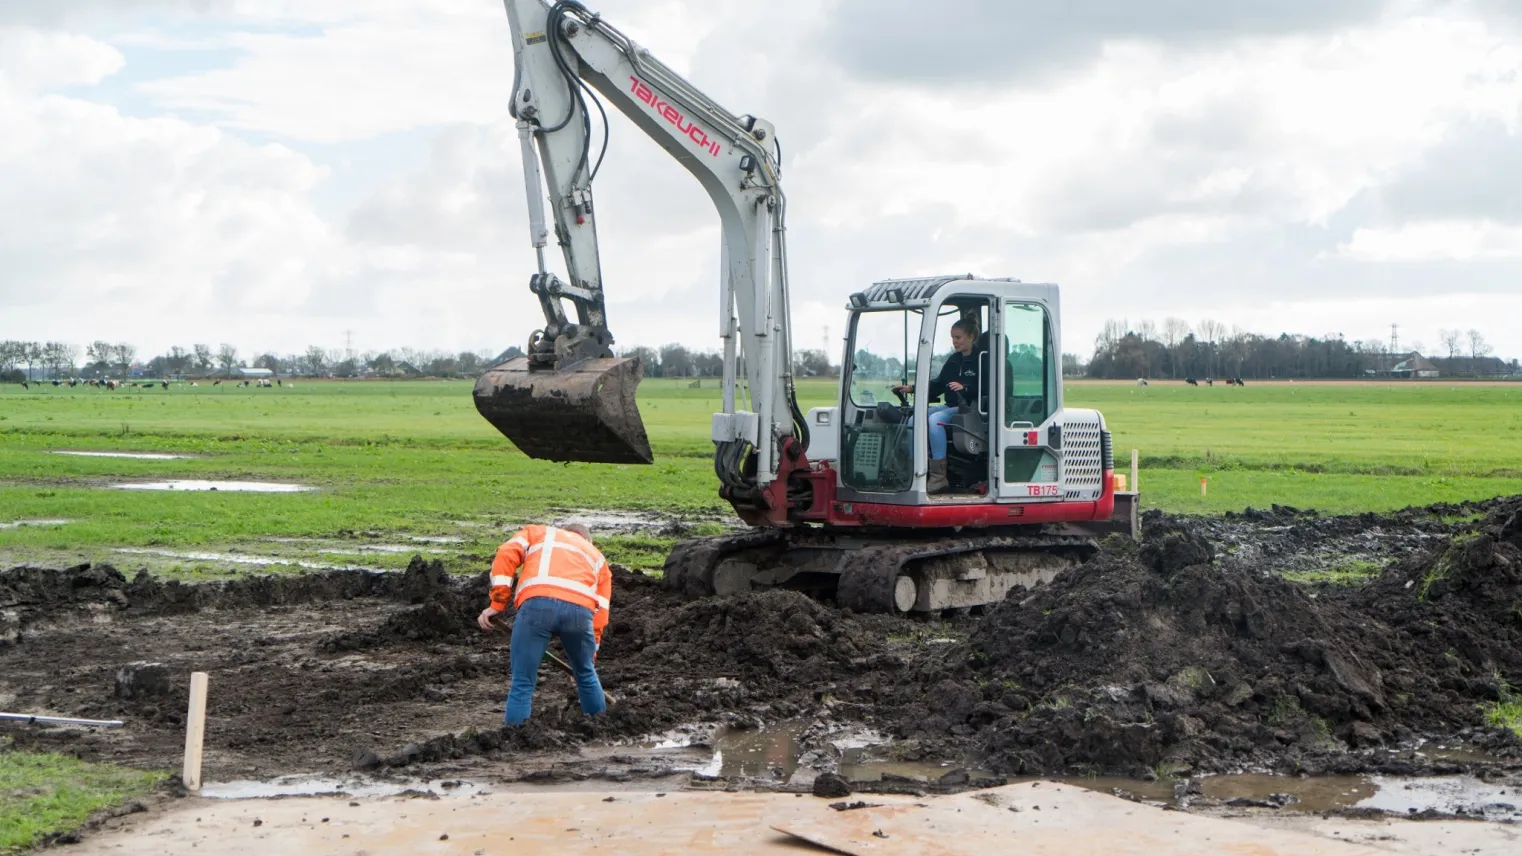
1414, 365
256, 373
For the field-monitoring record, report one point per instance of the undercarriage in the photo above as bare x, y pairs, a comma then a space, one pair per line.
883, 572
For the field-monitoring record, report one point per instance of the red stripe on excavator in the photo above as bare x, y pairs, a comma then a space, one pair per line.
988, 514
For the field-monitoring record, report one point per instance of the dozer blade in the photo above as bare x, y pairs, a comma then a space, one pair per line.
584, 413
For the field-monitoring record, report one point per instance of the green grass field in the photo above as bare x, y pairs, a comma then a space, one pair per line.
43, 793
394, 461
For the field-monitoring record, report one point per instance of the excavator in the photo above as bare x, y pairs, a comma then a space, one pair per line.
837, 497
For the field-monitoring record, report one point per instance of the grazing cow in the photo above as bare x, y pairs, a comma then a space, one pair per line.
57, 382
1210, 381
1191, 381
277, 382
25, 385
166, 384
217, 382
193, 383
1141, 381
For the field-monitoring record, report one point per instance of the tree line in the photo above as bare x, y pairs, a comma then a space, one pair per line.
1175, 349
37, 360
21, 360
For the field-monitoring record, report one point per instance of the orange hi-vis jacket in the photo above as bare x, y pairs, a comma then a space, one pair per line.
549, 562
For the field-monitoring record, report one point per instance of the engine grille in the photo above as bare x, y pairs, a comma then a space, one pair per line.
1082, 459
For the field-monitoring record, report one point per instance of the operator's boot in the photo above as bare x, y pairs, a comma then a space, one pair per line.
937, 482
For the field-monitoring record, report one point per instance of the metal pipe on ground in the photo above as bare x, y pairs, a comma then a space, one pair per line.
59, 720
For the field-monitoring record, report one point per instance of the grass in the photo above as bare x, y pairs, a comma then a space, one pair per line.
1505, 712
1347, 571
45, 794
400, 460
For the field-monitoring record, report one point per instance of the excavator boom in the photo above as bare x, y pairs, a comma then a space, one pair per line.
570, 398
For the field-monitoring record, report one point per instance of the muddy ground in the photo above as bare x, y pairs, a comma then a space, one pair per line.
1190, 653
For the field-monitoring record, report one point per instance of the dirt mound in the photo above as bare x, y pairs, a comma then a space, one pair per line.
1190, 650
1158, 658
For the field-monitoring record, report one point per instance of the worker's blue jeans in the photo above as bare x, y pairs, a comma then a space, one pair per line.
938, 417
539, 619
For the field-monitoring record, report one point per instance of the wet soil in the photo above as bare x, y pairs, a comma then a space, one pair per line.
1190, 653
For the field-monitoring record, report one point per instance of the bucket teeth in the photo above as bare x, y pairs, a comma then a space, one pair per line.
584, 413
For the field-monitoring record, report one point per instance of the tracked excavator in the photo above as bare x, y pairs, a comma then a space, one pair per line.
837, 497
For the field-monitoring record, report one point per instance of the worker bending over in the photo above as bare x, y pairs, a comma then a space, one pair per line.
563, 587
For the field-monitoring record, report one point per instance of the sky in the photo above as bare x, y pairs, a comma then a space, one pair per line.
277, 174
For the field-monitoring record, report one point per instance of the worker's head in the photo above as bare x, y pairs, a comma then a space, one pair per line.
963, 334
579, 529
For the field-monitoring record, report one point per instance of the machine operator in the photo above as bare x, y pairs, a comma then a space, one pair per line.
958, 384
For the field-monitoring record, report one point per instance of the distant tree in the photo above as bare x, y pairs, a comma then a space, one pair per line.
382, 364
1174, 332
203, 359
11, 355
649, 358
345, 368
177, 360
470, 363
1450, 340
811, 363
676, 361
227, 358
315, 360
267, 361
1478, 348
1072, 365
122, 357
32, 353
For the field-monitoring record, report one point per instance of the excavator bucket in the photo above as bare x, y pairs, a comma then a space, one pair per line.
584, 413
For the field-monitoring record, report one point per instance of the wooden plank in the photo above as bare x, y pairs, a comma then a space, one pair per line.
195, 731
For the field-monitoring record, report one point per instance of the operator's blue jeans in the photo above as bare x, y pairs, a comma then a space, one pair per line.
938, 417
539, 619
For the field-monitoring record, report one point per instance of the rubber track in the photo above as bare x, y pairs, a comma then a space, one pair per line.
867, 574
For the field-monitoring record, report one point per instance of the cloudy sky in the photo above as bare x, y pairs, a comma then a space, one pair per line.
281, 173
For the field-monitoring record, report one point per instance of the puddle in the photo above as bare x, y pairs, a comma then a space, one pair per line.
355, 786
605, 522
777, 751
17, 524
226, 486
1312, 794
436, 539
142, 456
236, 558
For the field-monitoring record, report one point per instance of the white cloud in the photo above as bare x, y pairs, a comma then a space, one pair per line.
32, 60
1411, 242
1295, 156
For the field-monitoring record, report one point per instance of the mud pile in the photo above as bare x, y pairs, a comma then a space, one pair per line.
1190, 651
1159, 660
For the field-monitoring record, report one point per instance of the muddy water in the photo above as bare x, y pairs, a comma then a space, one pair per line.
17, 524
241, 559
774, 753
224, 486
353, 786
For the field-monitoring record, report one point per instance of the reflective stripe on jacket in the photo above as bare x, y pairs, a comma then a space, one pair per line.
544, 561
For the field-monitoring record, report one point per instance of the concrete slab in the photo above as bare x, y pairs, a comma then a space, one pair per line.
1069, 821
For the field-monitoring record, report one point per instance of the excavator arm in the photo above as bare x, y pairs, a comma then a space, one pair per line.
570, 398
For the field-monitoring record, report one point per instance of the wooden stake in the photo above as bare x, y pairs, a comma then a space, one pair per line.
1203, 480
1135, 471
195, 731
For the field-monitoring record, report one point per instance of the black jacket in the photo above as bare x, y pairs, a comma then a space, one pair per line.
958, 368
